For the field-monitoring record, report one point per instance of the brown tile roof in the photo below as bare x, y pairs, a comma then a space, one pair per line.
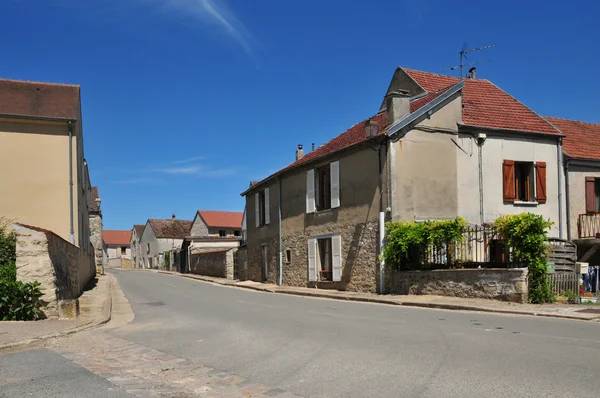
114, 237
92, 204
139, 230
225, 219
486, 105
51, 100
173, 229
581, 140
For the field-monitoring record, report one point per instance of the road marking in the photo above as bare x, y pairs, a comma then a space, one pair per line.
169, 284
543, 336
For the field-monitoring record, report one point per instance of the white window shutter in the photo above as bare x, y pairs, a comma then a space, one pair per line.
335, 184
312, 260
336, 254
310, 191
257, 208
267, 210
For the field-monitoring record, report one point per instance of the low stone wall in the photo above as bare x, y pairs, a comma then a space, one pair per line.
240, 264
497, 283
62, 269
217, 263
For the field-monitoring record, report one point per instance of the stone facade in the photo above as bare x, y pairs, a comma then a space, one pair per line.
498, 284
217, 263
240, 264
96, 240
62, 269
256, 267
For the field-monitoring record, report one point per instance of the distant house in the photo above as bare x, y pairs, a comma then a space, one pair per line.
136, 249
117, 246
160, 237
217, 223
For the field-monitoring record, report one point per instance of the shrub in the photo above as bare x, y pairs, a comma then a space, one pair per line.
405, 241
19, 301
8, 242
526, 234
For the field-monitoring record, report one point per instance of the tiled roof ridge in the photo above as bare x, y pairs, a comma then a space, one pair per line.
382, 128
3, 79
571, 120
221, 211
526, 107
441, 75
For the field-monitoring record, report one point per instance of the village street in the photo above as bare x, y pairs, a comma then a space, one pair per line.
192, 338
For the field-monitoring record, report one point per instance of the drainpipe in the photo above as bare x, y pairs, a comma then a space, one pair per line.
480, 141
72, 230
560, 186
381, 226
567, 200
280, 281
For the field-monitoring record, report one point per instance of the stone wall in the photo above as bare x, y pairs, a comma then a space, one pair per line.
217, 263
494, 283
359, 257
240, 264
256, 261
96, 239
62, 269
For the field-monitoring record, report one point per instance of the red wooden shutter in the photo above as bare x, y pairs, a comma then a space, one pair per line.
508, 178
540, 181
590, 194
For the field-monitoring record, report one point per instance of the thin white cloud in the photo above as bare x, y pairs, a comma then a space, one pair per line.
142, 180
189, 160
196, 170
180, 170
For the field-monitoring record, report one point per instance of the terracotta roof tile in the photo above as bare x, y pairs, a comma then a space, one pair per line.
225, 219
582, 139
486, 105
173, 229
50, 100
114, 237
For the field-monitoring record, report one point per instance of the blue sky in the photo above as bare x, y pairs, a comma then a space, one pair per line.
186, 101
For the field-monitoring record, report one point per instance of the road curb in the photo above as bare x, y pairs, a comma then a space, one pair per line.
440, 306
105, 318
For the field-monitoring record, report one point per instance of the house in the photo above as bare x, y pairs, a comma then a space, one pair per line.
41, 139
117, 246
217, 223
439, 147
136, 249
95, 211
160, 237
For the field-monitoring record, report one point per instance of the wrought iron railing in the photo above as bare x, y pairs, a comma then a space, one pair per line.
588, 226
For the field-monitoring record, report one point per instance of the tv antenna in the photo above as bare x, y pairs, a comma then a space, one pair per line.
463, 57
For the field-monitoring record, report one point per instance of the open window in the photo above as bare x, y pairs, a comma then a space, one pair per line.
323, 188
325, 259
222, 233
261, 204
524, 181
592, 195
123, 250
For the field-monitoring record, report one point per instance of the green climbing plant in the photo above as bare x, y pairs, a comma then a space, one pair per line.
527, 235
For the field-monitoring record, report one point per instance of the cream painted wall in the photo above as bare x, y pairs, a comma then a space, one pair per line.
115, 252
216, 244
157, 247
577, 174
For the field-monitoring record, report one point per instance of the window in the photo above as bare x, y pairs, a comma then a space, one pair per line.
323, 188
524, 181
222, 233
237, 233
592, 195
261, 204
325, 259
123, 250
288, 256
148, 247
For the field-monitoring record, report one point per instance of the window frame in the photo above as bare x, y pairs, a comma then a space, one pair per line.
324, 257
525, 175
323, 188
123, 250
222, 233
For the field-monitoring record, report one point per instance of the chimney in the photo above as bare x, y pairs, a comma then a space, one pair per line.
313, 146
472, 73
173, 216
299, 152
397, 104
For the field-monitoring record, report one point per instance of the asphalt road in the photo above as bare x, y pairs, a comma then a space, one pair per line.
325, 348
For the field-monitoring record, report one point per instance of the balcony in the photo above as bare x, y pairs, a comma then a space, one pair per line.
588, 225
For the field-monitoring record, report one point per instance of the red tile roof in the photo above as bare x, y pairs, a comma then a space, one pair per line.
224, 219
49, 100
421, 102
171, 229
114, 237
582, 139
486, 105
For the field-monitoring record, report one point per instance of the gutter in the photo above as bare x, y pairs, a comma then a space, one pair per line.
72, 230
46, 118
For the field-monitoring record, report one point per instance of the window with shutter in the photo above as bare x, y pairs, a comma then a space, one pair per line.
508, 179
592, 195
312, 260
335, 184
336, 257
540, 182
310, 191
267, 210
257, 209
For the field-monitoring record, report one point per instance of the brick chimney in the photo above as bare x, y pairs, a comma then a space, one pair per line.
173, 216
397, 104
299, 152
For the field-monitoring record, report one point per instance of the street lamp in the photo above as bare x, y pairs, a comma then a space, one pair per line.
371, 128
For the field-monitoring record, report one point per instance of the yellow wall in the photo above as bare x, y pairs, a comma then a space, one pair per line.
34, 175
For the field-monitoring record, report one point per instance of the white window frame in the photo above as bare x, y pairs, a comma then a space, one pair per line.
312, 185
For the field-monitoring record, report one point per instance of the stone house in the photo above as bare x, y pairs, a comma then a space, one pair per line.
117, 247
217, 223
161, 236
136, 249
439, 147
95, 210
41, 137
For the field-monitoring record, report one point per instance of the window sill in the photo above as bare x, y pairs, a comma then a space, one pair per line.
323, 212
523, 203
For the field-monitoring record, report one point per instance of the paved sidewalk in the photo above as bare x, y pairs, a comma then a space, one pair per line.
95, 309
440, 302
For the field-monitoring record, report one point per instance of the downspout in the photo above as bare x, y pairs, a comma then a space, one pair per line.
72, 229
560, 185
280, 281
480, 141
567, 200
381, 226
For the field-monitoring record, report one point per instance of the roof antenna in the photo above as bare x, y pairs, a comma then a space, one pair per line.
463, 56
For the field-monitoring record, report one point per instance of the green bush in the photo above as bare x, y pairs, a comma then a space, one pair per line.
19, 301
8, 243
527, 235
405, 241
